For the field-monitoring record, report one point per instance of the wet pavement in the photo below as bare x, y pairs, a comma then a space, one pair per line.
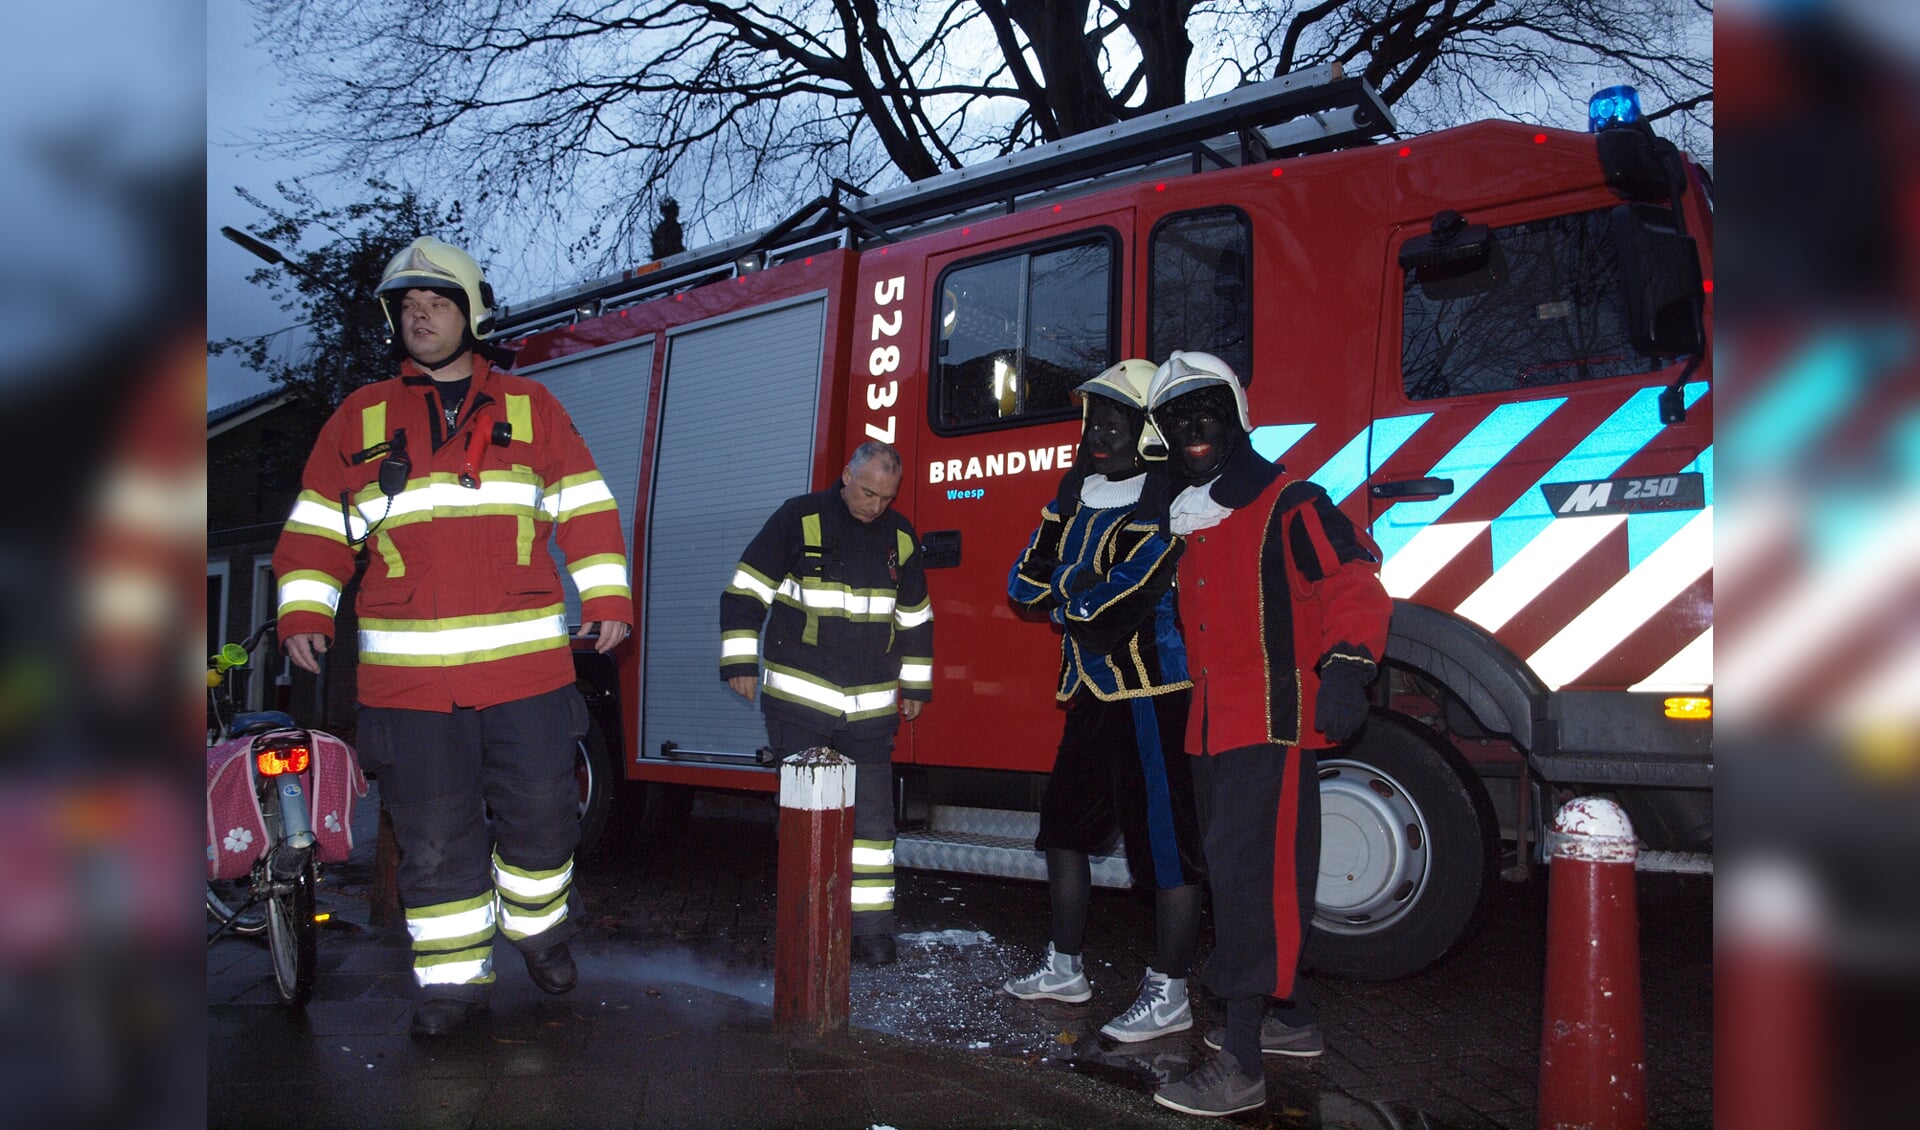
671, 1024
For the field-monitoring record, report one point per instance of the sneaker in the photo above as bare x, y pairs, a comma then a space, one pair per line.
1277, 1038
1216, 1088
1059, 978
1160, 1010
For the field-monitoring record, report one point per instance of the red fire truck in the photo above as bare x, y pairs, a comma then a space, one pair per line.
1488, 343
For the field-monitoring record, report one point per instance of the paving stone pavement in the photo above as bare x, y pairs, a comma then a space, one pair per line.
682, 917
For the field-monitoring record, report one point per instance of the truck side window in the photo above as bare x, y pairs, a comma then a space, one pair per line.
1199, 295
1018, 332
1544, 308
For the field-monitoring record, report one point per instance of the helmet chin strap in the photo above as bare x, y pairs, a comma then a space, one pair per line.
466, 345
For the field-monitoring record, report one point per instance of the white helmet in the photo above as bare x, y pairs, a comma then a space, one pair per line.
429, 264
1127, 382
1189, 370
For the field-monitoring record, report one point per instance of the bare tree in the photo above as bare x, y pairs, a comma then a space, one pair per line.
579, 116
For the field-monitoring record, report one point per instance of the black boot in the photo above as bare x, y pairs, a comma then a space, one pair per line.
874, 949
552, 968
443, 1016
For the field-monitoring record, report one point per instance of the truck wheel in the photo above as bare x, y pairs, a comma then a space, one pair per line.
1408, 849
593, 768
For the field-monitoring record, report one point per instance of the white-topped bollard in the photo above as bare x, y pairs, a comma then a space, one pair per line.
813, 923
1593, 1062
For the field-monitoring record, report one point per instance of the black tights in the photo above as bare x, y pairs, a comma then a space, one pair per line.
1176, 912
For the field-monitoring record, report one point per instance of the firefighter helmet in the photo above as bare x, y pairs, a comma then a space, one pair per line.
429, 264
1189, 370
1126, 382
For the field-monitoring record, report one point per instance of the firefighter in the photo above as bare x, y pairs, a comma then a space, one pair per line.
453, 474
1103, 569
847, 650
1285, 621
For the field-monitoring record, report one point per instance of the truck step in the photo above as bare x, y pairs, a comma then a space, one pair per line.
1676, 862
989, 841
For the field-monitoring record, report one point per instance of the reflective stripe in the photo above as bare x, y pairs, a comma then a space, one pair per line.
576, 495
1480, 451
373, 424
466, 971
752, 584
1425, 554
872, 894
917, 674
519, 925
913, 617
1688, 672
810, 530
872, 858
443, 923
520, 416
1537, 564
906, 545
861, 604
308, 591
611, 575
315, 517
530, 886
1631, 602
443, 495
740, 645
455, 637
791, 685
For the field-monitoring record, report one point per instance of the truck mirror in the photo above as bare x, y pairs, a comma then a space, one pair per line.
1634, 161
1456, 259
1660, 281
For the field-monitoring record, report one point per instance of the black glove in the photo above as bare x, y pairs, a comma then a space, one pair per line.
1340, 709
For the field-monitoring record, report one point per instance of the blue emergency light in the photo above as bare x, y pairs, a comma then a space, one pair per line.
1614, 106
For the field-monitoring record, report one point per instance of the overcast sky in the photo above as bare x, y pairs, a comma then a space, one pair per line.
243, 92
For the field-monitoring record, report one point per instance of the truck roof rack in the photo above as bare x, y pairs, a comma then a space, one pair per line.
1308, 111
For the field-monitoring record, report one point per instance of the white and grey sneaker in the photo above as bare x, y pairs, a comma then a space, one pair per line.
1215, 1089
1059, 978
1277, 1038
1160, 1010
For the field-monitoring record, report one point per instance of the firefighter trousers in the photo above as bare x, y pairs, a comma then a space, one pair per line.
485, 811
871, 751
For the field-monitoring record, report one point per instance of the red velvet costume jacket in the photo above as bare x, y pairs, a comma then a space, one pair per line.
461, 603
1254, 659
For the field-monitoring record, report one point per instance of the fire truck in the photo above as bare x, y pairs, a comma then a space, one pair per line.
1488, 343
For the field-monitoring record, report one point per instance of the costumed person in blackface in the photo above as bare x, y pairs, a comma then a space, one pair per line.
455, 473
1100, 565
847, 648
1285, 621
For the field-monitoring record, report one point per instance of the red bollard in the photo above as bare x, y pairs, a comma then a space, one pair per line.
813, 922
1593, 1062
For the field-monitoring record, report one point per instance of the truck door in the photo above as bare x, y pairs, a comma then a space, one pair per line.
742, 394
1520, 475
1014, 329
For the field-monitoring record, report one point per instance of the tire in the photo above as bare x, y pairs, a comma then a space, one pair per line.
224, 897
293, 937
1409, 849
593, 768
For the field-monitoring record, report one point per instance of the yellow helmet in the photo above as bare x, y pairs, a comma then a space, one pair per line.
1127, 382
429, 264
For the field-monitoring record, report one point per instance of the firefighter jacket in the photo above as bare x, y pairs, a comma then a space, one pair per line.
1105, 573
1282, 586
847, 623
461, 604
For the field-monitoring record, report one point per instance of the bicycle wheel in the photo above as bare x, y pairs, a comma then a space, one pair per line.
293, 938
225, 897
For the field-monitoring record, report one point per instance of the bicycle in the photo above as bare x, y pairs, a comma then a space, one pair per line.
278, 759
